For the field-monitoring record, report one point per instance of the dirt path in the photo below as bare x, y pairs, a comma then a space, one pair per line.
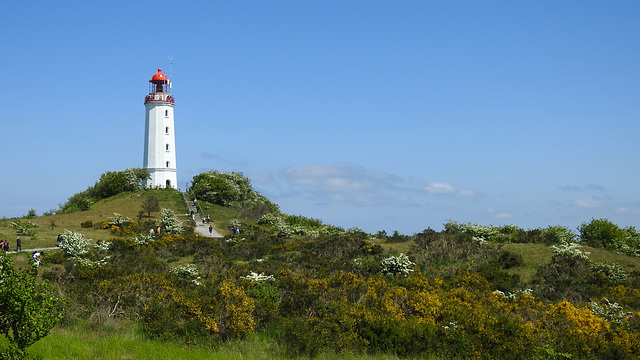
202, 229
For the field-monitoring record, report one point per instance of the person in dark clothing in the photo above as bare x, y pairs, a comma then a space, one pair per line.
18, 244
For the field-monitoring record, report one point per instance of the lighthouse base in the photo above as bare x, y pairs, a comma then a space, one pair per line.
162, 178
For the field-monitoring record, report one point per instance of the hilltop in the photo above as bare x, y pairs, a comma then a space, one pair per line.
290, 286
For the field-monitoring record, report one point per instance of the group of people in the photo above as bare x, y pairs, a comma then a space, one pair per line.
5, 246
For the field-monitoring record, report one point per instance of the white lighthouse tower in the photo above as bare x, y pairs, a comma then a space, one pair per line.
159, 134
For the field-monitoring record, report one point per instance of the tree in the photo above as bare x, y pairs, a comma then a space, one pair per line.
150, 204
31, 214
28, 309
74, 244
114, 182
222, 188
169, 224
604, 234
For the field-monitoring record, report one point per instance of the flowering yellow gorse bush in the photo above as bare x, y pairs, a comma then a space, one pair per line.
450, 294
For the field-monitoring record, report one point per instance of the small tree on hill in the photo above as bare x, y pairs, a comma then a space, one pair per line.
222, 188
150, 204
28, 309
74, 244
169, 224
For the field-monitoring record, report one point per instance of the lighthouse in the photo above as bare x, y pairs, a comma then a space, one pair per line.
159, 134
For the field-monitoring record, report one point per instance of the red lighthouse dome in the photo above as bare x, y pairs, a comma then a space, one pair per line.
159, 82
159, 89
159, 77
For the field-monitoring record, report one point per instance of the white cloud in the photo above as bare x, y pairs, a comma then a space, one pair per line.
503, 215
590, 203
343, 183
330, 177
439, 188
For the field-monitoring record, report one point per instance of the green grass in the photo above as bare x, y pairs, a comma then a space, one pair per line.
125, 344
534, 256
400, 247
628, 263
537, 255
128, 204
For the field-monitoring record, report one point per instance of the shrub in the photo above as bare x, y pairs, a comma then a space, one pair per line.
603, 273
169, 224
610, 311
570, 250
149, 204
397, 237
603, 233
397, 265
29, 311
222, 188
74, 244
24, 227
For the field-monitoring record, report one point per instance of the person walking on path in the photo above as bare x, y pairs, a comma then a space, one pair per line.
18, 244
210, 229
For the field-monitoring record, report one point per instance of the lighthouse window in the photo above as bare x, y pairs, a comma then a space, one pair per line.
166, 113
167, 147
167, 164
166, 130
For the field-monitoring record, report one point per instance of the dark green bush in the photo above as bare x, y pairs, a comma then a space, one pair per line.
601, 233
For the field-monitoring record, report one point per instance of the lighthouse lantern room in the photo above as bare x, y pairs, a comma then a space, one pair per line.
159, 134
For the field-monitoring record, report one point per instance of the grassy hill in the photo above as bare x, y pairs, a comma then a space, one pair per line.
325, 292
127, 204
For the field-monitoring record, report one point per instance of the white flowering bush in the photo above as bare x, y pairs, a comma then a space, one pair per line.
571, 250
559, 234
103, 245
24, 227
169, 224
478, 240
451, 326
132, 180
305, 231
235, 241
269, 219
513, 295
480, 234
395, 265
189, 272
74, 244
610, 311
258, 277
119, 220
91, 263
143, 239
331, 230
611, 272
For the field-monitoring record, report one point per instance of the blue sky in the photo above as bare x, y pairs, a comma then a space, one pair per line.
394, 115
